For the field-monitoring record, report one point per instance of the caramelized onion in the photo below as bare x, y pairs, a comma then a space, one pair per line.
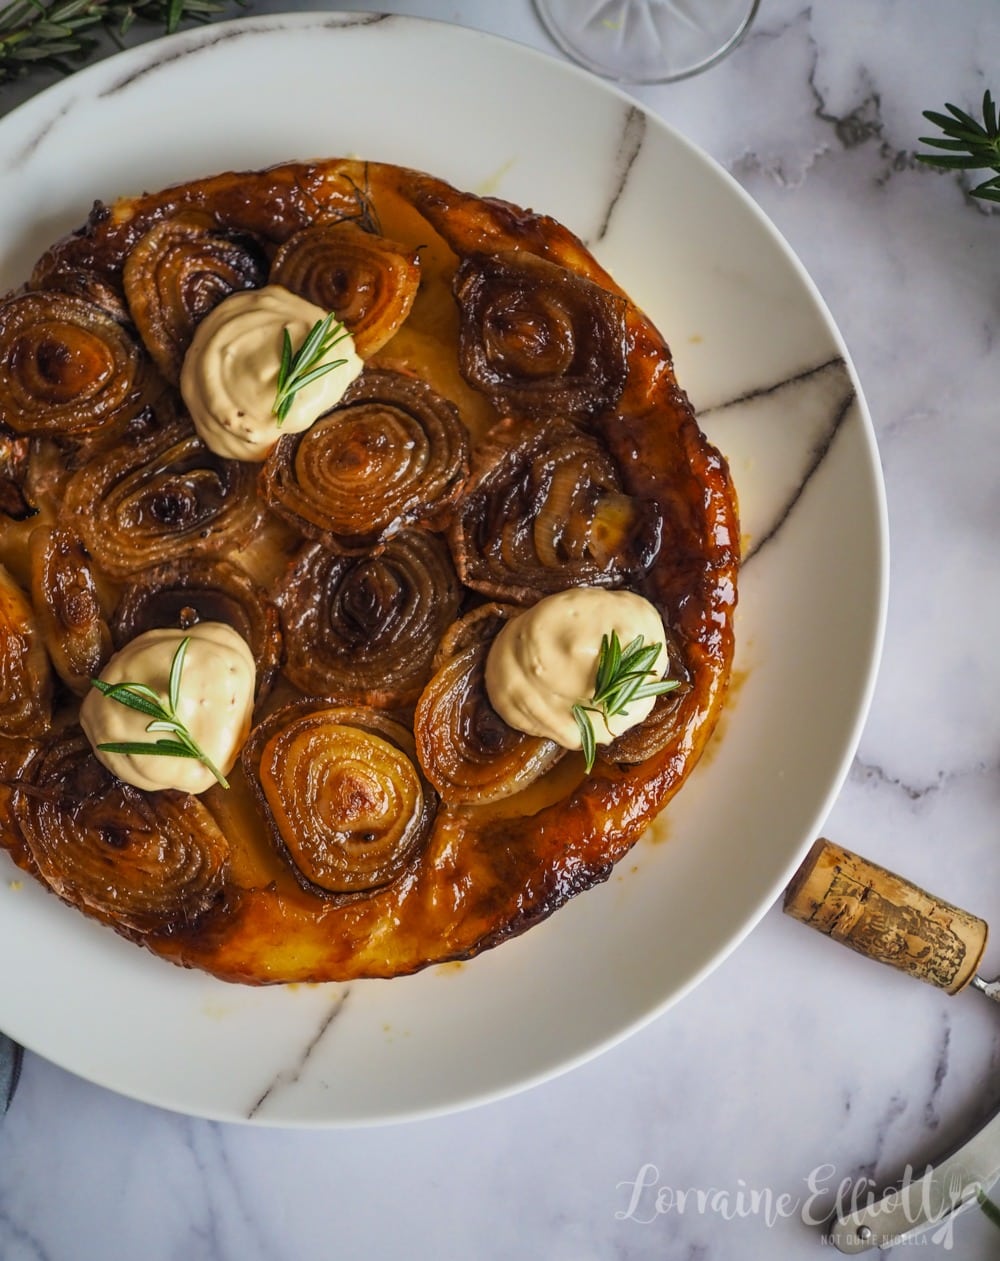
17, 753
52, 272
25, 674
662, 725
143, 862
364, 629
69, 611
66, 367
339, 789
394, 453
175, 274
546, 512
367, 280
164, 496
187, 591
539, 340
466, 750
15, 475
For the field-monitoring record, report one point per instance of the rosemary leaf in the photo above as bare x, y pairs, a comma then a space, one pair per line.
57, 32
588, 741
145, 701
305, 365
967, 145
159, 748
623, 677
164, 717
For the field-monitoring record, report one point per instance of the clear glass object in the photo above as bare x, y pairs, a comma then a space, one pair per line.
646, 41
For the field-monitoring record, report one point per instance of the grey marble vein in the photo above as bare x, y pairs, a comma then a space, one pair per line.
629, 147
868, 772
228, 35
894, 1109
228, 1222
165, 59
344, 20
932, 1118
863, 125
11, 1056
35, 140
17, 1240
289, 1076
836, 403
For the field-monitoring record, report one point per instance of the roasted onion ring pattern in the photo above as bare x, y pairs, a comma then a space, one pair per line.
176, 273
341, 793
147, 503
81, 283
394, 453
66, 367
368, 281
364, 629
144, 866
25, 674
190, 590
547, 511
466, 750
15, 468
541, 341
68, 606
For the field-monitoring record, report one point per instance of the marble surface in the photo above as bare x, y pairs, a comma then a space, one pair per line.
795, 1067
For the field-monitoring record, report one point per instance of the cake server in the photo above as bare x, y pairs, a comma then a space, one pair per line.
893, 921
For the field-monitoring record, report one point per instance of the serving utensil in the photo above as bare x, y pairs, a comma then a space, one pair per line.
893, 921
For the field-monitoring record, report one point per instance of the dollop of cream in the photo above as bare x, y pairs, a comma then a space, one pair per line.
229, 379
216, 704
544, 661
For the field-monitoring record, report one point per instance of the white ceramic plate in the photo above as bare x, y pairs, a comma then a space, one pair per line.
760, 356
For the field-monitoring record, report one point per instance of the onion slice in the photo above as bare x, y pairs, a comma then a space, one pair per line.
546, 511
184, 592
16, 498
69, 610
466, 750
339, 789
164, 496
145, 863
177, 272
364, 629
394, 453
66, 367
369, 282
25, 673
538, 339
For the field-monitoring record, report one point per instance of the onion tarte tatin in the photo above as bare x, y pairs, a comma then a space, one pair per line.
517, 430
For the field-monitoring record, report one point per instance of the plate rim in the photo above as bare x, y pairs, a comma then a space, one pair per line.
81, 86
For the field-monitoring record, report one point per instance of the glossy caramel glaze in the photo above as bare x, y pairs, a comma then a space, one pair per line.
486, 872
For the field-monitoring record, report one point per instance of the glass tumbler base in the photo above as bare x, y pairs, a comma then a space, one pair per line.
646, 41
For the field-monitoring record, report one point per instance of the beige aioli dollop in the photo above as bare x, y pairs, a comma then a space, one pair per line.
544, 661
216, 703
229, 378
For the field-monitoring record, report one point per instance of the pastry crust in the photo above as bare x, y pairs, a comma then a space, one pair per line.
485, 872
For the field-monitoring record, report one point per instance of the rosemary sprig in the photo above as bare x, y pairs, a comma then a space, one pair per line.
34, 32
968, 145
306, 364
164, 717
622, 677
